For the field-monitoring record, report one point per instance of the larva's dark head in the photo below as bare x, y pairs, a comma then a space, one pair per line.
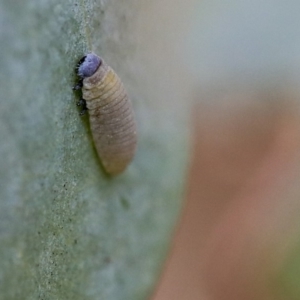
88, 65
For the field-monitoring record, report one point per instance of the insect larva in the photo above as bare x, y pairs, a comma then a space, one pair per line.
110, 112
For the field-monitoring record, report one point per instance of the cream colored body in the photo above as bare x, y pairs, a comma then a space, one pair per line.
111, 119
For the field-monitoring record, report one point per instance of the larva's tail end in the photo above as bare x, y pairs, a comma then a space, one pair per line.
115, 169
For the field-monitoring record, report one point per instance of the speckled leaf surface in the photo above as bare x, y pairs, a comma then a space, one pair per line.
67, 231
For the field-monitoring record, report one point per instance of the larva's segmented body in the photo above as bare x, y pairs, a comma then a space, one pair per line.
110, 111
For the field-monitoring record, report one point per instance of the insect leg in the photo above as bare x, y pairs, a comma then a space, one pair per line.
78, 86
81, 103
83, 112
84, 109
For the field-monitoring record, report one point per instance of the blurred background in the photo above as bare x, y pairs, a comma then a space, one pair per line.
239, 234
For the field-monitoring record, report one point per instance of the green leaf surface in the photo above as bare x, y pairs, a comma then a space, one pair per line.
67, 230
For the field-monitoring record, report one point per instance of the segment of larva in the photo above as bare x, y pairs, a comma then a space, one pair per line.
110, 111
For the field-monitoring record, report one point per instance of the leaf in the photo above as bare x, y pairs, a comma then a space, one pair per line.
68, 231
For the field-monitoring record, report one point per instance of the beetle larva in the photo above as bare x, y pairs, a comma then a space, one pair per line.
110, 112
